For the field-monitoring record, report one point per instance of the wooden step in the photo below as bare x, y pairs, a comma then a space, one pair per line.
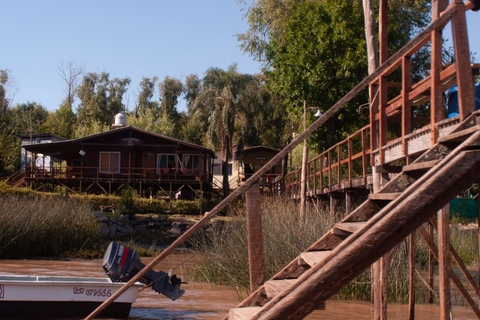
244, 313
421, 166
460, 136
344, 228
274, 287
383, 196
311, 258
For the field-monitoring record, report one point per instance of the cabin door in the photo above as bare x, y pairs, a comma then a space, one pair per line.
149, 165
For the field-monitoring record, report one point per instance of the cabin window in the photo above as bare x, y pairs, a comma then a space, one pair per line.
217, 169
191, 161
109, 162
165, 163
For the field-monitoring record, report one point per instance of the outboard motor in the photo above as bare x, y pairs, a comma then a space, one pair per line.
121, 264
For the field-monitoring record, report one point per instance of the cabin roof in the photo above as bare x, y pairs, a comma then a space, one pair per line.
259, 149
56, 148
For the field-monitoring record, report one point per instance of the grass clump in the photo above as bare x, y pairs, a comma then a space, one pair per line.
224, 253
47, 227
223, 257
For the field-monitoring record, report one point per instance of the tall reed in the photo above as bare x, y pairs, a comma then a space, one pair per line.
46, 227
224, 254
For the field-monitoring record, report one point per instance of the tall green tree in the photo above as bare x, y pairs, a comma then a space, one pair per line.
266, 115
315, 51
145, 102
170, 91
8, 152
198, 112
62, 121
101, 98
222, 95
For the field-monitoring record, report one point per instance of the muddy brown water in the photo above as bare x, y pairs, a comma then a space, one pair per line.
206, 301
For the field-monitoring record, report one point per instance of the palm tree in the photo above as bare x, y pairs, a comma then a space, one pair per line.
221, 97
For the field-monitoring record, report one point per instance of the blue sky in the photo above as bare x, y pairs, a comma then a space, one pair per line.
142, 38
135, 39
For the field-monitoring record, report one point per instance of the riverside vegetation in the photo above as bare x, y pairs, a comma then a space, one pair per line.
49, 225
33, 226
224, 255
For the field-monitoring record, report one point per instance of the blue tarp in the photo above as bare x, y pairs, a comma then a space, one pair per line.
453, 100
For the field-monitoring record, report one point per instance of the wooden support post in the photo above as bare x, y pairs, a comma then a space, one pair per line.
406, 106
412, 287
376, 294
332, 205
339, 162
465, 81
170, 197
329, 155
350, 163
444, 262
322, 159
383, 36
348, 202
383, 125
373, 122
384, 286
255, 239
437, 111
430, 267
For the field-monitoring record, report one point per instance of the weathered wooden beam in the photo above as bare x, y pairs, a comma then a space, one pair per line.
430, 267
465, 81
437, 111
412, 275
255, 238
443, 231
406, 106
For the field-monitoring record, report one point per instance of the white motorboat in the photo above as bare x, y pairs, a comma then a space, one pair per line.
31, 297
53, 297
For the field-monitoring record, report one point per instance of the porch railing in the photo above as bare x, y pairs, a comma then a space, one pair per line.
122, 173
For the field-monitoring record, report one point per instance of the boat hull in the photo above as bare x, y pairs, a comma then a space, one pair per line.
60, 310
29, 297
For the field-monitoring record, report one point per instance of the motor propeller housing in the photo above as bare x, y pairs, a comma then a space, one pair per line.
122, 263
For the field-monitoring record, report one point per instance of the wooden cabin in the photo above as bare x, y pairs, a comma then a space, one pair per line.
245, 164
105, 162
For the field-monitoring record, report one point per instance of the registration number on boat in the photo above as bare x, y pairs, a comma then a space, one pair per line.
92, 292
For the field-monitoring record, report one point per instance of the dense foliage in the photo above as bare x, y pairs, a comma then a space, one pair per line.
315, 51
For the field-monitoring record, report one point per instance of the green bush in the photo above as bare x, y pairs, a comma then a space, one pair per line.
127, 206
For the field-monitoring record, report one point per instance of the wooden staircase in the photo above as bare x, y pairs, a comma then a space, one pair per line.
17, 179
387, 217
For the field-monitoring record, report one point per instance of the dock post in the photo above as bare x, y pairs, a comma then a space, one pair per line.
255, 238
